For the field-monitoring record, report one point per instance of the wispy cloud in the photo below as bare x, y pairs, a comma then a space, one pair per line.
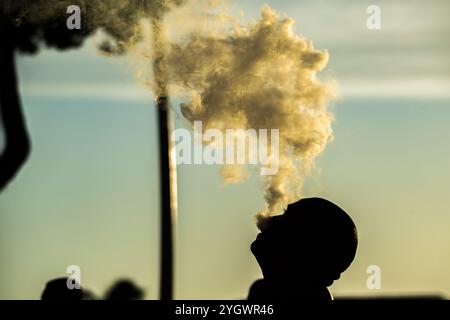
97, 91
399, 88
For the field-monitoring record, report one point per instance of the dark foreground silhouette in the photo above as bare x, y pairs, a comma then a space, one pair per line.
302, 251
17, 142
122, 289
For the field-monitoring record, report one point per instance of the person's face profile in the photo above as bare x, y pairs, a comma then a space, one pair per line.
271, 247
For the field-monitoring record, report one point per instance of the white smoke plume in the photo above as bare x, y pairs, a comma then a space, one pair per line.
259, 76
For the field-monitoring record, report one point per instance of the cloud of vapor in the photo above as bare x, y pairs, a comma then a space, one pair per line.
261, 76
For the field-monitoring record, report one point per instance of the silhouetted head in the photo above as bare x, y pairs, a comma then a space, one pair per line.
314, 241
57, 289
124, 290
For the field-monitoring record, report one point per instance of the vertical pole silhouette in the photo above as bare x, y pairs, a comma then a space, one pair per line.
167, 166
168, 200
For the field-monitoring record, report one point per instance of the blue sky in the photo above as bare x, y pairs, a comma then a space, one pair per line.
89, 193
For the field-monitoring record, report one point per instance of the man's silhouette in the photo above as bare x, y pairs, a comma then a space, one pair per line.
302, 251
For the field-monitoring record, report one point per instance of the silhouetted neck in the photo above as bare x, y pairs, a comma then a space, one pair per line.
294, 290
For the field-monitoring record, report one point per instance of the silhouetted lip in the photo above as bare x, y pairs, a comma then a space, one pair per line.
254, 245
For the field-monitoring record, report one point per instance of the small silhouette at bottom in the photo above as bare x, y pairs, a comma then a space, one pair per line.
303, 251
57, 289
124, 290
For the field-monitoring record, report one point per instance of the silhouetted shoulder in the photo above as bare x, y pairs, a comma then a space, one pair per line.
257, 291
